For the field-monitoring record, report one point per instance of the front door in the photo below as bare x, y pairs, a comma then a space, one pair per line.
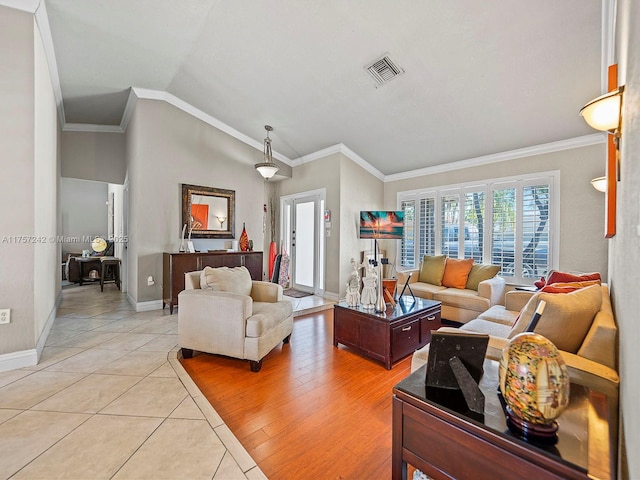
302, 219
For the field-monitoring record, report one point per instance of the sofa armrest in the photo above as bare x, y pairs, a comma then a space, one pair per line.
192, 280
402, 277
493, 290
266, 292
515, 300
592, 374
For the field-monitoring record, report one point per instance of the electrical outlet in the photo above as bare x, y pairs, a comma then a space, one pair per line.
150, 280
5, 315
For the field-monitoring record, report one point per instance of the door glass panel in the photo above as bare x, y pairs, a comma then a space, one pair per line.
305, 242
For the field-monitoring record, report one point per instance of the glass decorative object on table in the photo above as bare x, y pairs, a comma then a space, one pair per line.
535, 384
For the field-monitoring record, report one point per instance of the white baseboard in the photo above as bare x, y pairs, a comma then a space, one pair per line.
146, 306
47, 327
23, 358
332, 296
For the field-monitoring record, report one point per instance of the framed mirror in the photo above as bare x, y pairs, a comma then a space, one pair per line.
208, 212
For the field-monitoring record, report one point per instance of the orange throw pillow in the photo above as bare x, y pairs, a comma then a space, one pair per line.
568, 287
456, 272
564, 277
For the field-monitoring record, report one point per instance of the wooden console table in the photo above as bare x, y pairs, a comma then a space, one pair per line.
435, 432
389, 336
175, 265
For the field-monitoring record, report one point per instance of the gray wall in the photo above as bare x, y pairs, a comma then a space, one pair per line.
96, 156
624, 252
581, 206
46, 274
165, 148
17, 180
323, 173
28, 198
84, 211
359, 190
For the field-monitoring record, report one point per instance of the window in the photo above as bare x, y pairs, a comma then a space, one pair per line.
407, 249
507, 222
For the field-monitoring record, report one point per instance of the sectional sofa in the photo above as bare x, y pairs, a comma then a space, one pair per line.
581, 324
464, 296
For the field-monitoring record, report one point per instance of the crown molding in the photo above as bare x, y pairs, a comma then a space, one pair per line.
325, 152
171, 99
90, 127
344, 150
38, 8
25, 5
545, 148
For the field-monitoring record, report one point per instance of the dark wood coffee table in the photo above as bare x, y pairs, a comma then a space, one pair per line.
389, 336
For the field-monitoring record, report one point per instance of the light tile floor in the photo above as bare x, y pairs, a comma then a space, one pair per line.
109, 399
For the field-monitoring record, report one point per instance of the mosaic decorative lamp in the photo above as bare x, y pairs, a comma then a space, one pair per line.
534, 382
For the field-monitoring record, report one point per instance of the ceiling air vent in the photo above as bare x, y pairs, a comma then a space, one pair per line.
383, 70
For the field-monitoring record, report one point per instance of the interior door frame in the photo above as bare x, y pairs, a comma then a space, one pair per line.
319, 196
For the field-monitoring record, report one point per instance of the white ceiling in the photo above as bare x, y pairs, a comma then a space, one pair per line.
481, 77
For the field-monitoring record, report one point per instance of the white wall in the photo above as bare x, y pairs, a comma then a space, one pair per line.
84, 212
165, 148
581, 206
624, 253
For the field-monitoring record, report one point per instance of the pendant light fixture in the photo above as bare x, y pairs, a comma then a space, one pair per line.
268, 168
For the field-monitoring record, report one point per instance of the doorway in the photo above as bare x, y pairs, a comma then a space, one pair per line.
302, 231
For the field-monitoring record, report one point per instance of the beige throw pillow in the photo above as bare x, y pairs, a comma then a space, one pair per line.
432, 269
566, 319
225, 279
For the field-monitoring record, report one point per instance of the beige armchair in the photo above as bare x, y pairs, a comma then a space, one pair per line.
222, 311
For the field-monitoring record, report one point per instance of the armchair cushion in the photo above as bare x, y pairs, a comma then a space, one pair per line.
225, 279
266, 316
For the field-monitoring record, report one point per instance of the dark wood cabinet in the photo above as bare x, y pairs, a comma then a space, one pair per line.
389, 336
434, 431
175, 265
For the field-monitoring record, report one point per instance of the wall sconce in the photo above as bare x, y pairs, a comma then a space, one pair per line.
221, 220
599, 184
268, 168
605, 113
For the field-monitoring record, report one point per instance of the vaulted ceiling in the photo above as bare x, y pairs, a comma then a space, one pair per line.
479, 78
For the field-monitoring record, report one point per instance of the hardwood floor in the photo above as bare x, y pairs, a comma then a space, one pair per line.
313, 411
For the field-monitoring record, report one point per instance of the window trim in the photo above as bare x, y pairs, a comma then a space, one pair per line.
488, 187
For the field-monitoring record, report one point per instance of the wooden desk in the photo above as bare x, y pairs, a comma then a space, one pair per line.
442, 442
